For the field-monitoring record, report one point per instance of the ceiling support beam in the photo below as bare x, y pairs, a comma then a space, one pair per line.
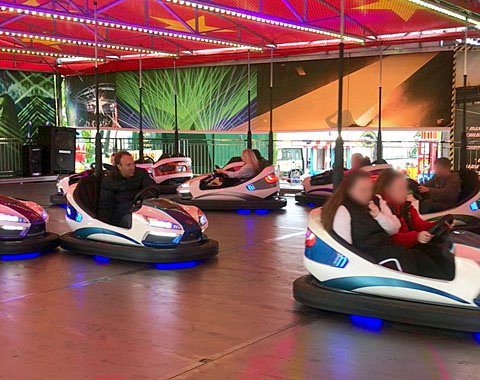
109, 6
177, 17
351, 19
293, 10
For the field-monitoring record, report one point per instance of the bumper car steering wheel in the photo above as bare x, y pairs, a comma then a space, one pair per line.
442, 227
147, 193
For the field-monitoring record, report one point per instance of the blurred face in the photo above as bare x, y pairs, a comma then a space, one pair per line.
398, 190
362, 191
126, 167
112, 159
441, 171
357, 160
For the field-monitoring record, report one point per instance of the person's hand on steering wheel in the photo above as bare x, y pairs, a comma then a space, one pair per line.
424, 237
443, 227
146, 193
423, 189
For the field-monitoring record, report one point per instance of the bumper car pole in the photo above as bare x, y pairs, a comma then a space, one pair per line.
338, 165
379, 133
140, 111
249, 133
176, 142
98, 136
270, 133
463, 138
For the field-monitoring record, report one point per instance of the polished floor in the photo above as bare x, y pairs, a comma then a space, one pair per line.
64, 316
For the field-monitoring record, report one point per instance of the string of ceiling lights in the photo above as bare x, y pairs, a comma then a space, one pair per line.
56, 15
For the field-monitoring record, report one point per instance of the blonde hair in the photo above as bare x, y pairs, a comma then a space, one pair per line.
249, 157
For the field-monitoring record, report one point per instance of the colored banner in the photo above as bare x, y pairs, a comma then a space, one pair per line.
416, 93
26, 101
80, 101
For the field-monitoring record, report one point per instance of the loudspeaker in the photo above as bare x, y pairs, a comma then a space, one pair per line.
32, 160
58, 147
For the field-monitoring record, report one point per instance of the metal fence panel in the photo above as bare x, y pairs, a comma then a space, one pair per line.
10, 157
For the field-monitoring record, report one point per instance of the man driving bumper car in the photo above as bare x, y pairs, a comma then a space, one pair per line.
118, 189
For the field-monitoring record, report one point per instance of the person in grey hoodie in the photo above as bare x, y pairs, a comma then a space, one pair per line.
443, 190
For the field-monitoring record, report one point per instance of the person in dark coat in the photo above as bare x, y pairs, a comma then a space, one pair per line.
443, 190
119, 188
352, 215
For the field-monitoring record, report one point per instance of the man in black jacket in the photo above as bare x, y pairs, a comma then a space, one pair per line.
443, 190
119, 188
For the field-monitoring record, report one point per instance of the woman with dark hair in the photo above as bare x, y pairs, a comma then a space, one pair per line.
352, 215
413, 233
356, 190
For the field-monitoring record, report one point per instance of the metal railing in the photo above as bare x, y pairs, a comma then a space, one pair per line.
204, 152
208, 152
10, 156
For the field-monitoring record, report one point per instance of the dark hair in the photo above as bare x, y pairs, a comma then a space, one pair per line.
385, 179
119, 155
338, 197
443, 162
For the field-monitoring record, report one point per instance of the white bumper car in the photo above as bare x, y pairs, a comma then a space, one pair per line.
159, 230
169, 172
257, 193
467, 210
345, 280
318, 188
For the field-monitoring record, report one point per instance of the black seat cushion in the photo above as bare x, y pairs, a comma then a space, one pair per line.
470, 185
87, 194
234, 159
324, 178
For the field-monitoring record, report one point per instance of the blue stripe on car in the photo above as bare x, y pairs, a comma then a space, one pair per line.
87, 231
356, 282
322, 253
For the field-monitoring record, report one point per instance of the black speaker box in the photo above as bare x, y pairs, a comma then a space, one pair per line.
32, 160
58, 147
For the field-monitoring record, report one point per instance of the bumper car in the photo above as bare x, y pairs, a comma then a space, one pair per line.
318, 188
63, 184
257, 193
22, 230
345, 280
169, 172
467, 210
156, 231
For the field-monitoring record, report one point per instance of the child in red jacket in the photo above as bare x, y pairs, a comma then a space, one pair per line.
392, 186
413, 233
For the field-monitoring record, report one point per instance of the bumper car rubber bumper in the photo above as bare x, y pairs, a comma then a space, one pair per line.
31, 244
308, 199
187, 252
58, 199
273, 203
308, 291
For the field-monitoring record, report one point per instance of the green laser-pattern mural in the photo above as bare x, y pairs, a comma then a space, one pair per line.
25, 97
209, 98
